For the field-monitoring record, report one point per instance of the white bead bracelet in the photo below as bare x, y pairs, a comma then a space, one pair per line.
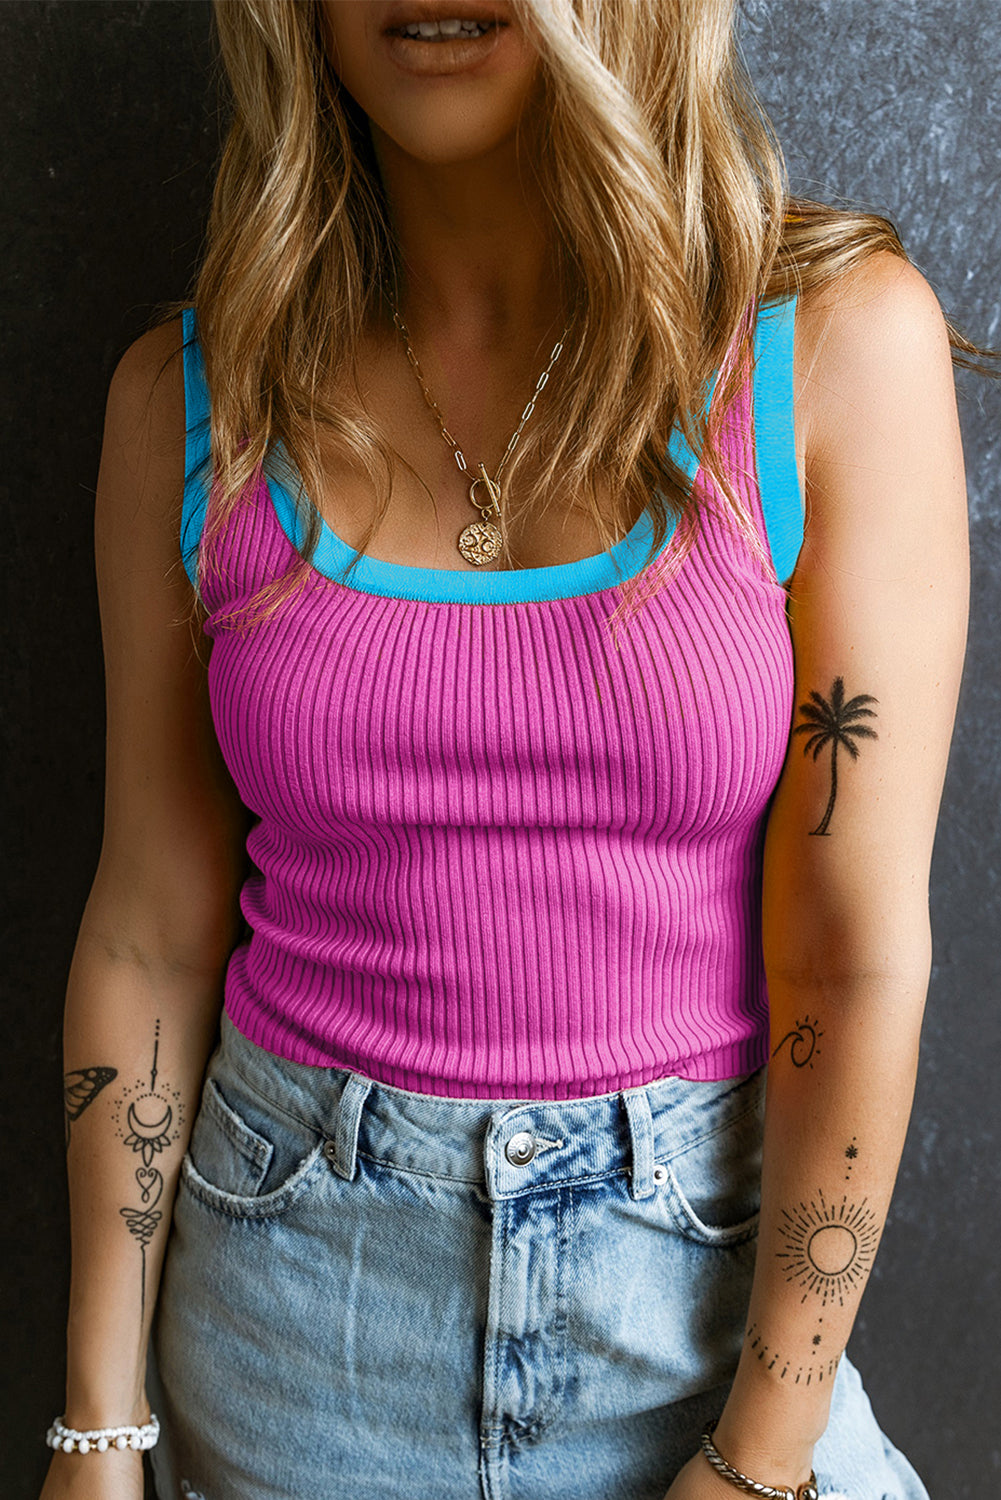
100, 1439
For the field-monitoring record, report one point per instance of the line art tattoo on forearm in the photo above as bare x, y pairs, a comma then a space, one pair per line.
148, 1117
81, 1087
829, 1248
802, 1372
835, 723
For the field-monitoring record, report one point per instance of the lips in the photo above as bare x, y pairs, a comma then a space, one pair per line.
441, 37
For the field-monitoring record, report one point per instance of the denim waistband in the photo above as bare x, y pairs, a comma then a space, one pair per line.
506, 1147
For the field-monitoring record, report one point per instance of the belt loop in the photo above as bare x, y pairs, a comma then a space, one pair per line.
356, 1091
640, 1119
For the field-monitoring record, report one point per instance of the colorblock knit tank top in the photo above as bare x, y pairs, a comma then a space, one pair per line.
494, 856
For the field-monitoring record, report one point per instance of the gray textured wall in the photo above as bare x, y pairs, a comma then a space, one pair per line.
109, 129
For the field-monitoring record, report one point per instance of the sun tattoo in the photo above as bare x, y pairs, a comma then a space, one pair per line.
835, 723
829, 1248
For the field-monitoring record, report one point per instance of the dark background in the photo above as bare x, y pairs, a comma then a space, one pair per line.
109, 128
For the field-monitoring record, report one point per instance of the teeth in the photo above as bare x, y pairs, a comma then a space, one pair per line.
433, 31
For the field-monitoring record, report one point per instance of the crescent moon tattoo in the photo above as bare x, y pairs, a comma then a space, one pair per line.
148, 1116
148, 1136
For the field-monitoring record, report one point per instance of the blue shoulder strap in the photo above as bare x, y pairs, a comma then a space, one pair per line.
775, 434
197, 447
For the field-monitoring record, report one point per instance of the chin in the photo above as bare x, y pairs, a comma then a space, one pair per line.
446, 136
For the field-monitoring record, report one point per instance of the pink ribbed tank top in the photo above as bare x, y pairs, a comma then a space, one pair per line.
494, 856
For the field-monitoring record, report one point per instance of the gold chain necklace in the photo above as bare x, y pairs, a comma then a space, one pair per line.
481, 541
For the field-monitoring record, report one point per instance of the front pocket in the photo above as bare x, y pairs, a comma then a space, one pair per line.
246, 1158
265, 1205
224, 1149
714, 1186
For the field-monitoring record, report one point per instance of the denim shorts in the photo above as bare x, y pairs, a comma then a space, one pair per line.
387, 1295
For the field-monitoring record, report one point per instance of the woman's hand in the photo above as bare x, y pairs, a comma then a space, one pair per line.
98, 1476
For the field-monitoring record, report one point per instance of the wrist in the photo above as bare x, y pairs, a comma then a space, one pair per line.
103, 1388
769, 1436
87, 1408
734, 1475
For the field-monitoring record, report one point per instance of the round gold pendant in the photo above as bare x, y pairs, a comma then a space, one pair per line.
480, 543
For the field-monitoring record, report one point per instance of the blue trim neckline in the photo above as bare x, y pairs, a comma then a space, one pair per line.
373, 575
775, 457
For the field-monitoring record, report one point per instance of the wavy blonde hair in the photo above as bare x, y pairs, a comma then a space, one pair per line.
672, 221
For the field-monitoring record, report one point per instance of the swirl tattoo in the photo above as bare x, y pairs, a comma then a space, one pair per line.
803, 1042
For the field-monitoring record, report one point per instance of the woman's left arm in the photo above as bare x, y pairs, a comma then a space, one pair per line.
878, 611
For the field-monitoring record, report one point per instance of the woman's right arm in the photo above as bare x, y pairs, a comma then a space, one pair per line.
145, 985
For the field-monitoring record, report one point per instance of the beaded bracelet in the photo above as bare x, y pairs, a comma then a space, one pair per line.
806, 1491
100, 1439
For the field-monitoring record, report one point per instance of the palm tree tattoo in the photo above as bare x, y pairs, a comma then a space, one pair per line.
835, 723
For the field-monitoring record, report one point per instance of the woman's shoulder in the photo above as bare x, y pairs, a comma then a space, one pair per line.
876, 408
868, 342
140, 489
149, 376
144, 427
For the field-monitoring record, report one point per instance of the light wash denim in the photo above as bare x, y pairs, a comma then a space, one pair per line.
384, 1295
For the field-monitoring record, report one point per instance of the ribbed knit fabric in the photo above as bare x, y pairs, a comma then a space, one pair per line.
495, 857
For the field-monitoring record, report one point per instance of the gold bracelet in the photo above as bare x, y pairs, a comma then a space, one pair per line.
807, 1491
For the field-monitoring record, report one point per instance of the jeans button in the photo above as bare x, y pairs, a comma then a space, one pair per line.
520, 1149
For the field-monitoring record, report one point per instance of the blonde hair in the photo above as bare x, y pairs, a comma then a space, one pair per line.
672, 223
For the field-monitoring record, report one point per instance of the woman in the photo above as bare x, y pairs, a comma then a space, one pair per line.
482, 1192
